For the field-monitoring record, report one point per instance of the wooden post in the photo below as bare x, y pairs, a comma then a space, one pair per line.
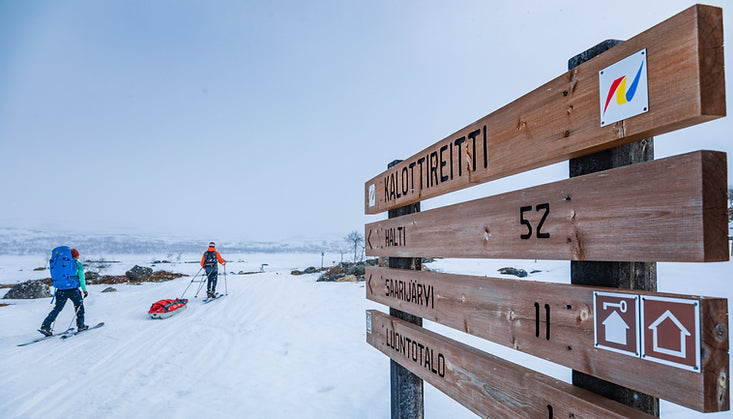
628, 275
406, 388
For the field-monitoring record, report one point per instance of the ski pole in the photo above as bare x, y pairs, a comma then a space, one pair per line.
226, 290
53, 298
75, 313
189, 284
202, 284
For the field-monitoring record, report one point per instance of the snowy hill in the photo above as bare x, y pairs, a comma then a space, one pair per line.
278, 346
14, 241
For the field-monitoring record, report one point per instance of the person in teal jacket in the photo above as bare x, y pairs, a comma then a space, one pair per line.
73, 294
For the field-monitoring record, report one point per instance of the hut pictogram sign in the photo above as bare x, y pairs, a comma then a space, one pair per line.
671, 331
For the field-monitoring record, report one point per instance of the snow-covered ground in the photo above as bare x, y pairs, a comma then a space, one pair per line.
278, 346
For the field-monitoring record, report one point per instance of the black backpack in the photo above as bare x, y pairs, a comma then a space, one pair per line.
210, 259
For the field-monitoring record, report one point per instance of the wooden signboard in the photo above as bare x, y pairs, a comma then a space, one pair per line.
672, 209
485, 384
668, 346
562, 119
556, 322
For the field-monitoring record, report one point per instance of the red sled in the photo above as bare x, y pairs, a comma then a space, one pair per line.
165, 308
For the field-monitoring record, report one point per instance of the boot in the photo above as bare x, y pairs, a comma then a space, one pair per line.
45, 331
81, 328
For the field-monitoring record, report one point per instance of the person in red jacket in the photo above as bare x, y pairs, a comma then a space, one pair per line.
209, 263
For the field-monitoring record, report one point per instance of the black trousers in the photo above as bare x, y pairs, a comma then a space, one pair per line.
212, 274
61, 296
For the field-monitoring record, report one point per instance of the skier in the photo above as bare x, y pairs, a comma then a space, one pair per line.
208, 262
67, 287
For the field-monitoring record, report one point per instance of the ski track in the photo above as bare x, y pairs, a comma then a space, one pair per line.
236, 351
278, 346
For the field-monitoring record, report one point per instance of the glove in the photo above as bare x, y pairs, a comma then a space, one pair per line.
85, 293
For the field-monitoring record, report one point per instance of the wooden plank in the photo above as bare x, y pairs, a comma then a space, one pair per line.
599, 216
487, 385
514, 313
561, 119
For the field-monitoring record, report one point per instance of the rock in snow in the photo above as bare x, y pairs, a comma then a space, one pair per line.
139, 273
29, 290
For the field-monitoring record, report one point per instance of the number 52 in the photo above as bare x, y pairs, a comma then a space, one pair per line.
523, 221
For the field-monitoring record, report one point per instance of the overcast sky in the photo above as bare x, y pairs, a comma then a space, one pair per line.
263, 120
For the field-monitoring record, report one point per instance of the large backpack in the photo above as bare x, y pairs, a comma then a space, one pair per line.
63, 269
210, 259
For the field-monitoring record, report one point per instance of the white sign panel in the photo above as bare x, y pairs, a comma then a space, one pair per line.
616, 322
624, 89
372, 195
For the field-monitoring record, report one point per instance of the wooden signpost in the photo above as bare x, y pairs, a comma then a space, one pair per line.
669, 346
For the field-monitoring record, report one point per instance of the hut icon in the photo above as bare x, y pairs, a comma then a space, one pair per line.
615, 328
683, 334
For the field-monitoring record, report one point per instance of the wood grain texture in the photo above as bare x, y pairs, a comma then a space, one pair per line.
487, 385
505, 311
671, 209
561, 119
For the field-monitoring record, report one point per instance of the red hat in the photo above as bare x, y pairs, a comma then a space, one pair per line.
212, 244
74, 253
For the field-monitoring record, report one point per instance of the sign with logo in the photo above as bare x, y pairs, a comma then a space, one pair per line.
616, 322
624, 89
372, 195
671, 331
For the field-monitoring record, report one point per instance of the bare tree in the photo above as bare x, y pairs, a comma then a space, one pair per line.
355, 238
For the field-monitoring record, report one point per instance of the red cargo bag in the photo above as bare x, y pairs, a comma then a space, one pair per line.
165, 308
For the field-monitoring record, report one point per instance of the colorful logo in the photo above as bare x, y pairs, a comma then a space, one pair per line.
624, 90
618, 87
372, 195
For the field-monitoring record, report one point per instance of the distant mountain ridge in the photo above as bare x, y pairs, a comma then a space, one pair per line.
14, 241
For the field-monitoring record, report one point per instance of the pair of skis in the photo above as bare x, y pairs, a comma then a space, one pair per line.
63, 335
217, 296
202, 282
